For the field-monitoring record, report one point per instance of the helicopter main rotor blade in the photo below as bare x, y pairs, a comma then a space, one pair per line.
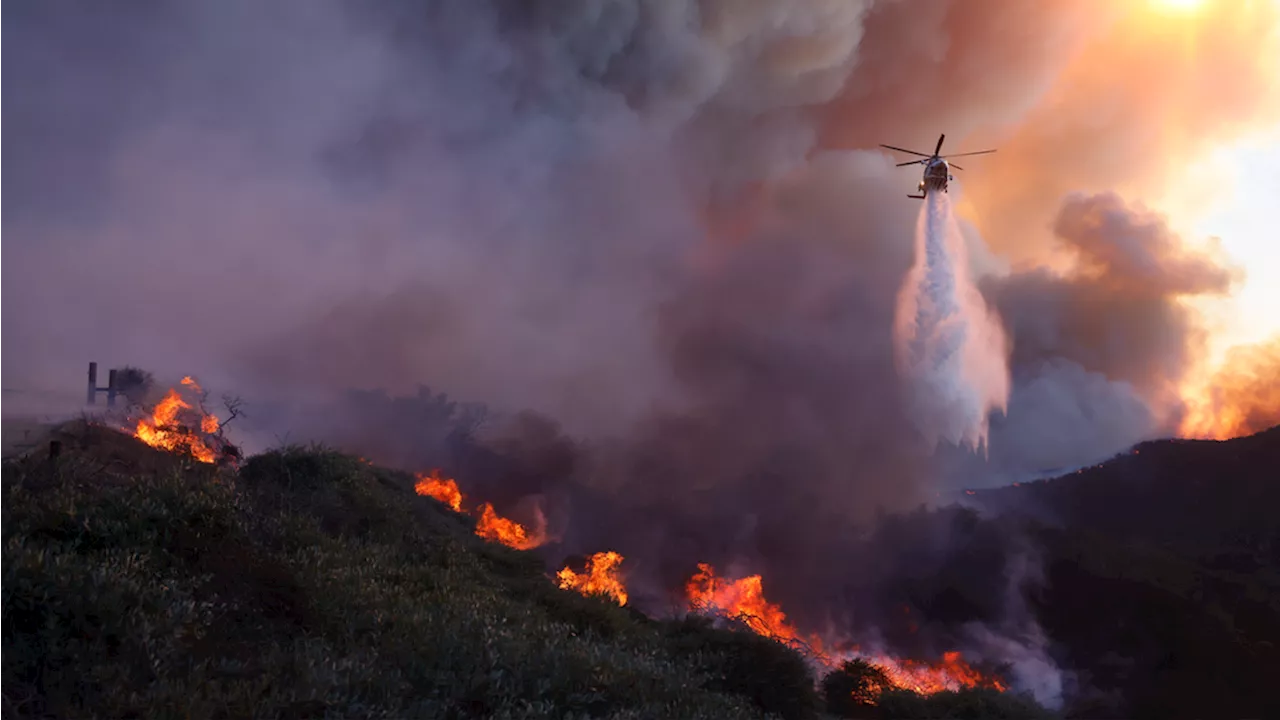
979, 152
953, 165
909, 152
909, 162
939, 148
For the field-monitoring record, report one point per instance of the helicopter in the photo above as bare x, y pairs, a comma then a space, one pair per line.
937, 171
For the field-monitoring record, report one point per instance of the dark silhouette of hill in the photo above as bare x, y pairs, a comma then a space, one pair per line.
1160, 575
1213, 500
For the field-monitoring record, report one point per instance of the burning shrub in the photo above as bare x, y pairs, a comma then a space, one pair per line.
773, 676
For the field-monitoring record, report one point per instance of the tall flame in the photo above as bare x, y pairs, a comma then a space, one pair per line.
600, 578
1241, 398
443, 489
163, 429
742, 599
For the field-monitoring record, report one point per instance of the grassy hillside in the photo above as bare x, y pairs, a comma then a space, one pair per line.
310, 584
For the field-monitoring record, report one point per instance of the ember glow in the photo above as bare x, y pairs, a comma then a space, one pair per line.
172, 422
949, 673
600, 578
489, 525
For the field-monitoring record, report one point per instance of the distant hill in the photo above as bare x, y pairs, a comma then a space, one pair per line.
1215, 500
1162, 574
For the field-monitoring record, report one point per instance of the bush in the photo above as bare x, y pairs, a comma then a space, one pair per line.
773, 676
969, 704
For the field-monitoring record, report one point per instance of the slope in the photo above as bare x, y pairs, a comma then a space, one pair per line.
310, 584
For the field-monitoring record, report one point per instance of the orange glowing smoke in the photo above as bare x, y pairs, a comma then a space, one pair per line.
490, 525
1242, 398
443, 489
601, 577
165, 431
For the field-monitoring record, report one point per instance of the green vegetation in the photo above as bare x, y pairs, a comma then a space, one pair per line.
141, 584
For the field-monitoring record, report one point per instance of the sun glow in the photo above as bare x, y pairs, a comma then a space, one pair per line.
1185, 6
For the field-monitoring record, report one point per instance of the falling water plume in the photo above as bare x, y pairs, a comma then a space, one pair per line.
950, 348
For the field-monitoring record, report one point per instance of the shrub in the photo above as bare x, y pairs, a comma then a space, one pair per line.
773, 676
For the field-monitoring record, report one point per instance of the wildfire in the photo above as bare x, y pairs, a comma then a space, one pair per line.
744, 599
163, 430
489, 525
443, 489
1241, 398
601, 577
492, 526
950, 673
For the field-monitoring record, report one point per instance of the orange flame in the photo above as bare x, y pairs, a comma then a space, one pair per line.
164, 431
492, 526
601, 577
950, 673
443, 489
744, 599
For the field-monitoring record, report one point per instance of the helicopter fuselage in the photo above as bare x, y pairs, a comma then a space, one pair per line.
936, 176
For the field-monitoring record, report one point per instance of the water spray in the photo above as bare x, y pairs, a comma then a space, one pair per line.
949, 346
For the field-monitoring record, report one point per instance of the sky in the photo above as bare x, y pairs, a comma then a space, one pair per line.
1246, 222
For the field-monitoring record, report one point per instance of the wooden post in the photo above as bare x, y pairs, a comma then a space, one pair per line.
92, 395
111, 388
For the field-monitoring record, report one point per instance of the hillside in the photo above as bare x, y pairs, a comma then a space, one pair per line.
139, 583
1162, 574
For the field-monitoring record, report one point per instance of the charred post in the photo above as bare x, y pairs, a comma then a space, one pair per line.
91, 394
111, 388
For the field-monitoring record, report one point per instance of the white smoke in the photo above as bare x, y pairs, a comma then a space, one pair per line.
950, 348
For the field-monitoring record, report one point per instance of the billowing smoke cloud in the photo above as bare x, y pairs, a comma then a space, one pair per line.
1099, 349
649, 222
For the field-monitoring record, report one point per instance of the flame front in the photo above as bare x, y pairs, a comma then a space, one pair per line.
601, 577
443, 489
950, 673
1242, 397
492, 526
164, 431
489, 525
744, 599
